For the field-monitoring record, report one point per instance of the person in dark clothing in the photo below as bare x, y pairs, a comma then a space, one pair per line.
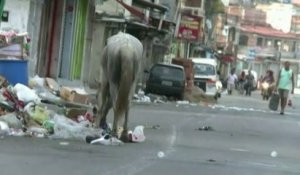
249, 83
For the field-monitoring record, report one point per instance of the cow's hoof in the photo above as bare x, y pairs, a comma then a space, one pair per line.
124, 137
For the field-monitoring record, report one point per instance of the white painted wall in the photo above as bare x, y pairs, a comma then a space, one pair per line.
18, 15
279, 16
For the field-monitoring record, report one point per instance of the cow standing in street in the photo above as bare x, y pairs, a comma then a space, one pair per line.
120, 66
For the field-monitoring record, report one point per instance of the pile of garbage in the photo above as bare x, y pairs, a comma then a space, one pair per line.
44, 109
141, 97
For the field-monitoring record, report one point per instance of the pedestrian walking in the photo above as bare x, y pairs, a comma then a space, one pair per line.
285, 83
249, 82
231, 80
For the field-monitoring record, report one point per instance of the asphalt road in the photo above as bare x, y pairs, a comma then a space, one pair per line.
244, 134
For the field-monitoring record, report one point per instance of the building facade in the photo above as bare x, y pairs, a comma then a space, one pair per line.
153, 22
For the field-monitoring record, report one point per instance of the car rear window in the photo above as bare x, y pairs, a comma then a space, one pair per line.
204, 69
167, 72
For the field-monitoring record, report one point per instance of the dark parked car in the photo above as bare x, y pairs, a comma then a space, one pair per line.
166, 79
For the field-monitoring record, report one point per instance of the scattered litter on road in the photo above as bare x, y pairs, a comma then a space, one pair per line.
4, 129
107, 140
159, 101
64, 143
153, 127
274, 154
137, 135
160, 154
211, 160
140, 97
193, 104
234, 108
89, 138
206, 128
183, 102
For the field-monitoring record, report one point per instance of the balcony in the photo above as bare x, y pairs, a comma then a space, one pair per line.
265, 52
247, 52
290, 55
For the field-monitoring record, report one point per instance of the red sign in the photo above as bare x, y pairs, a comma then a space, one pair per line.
189, 27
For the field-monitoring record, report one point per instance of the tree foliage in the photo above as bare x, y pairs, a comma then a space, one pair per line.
213, 7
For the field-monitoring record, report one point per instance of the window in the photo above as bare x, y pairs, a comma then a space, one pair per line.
193, 3
259, 41
277, 44
204, 69
268, 42
167, 72
294, 46
5, 16
243, 40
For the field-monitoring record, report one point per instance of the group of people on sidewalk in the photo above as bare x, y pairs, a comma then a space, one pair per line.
283, 85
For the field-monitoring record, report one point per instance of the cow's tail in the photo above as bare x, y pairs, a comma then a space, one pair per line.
127, 78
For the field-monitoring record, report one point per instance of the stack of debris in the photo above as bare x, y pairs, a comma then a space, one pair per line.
44, 109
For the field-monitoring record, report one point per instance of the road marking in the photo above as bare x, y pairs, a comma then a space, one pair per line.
239, 150
173, 139
262, 164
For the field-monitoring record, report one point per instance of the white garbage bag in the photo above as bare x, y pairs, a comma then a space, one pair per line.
26, 94
4, 129
137, 135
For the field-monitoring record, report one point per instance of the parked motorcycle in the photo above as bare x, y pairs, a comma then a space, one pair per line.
265, 90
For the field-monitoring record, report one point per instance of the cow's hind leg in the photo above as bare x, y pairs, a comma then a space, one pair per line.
106, 107
104, 103
124, 135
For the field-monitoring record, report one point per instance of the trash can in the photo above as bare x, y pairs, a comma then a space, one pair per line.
15, 71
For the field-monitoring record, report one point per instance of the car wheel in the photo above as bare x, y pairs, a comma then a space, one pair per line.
180, 96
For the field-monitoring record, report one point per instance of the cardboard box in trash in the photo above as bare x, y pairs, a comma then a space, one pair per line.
72, 95
51, 84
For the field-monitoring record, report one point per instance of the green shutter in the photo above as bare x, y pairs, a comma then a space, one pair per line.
79, 38
2, 3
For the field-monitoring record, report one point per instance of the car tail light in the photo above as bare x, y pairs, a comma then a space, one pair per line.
211, 81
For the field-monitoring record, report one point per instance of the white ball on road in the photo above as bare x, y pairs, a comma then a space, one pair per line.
160, 154
274, 154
